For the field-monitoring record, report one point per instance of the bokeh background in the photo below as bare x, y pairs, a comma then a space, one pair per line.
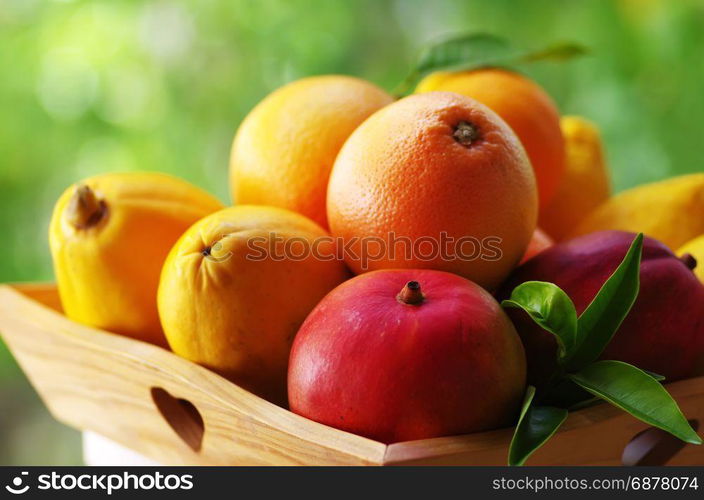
104, 85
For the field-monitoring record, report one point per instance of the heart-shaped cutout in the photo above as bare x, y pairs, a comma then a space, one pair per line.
182, 416
653, 446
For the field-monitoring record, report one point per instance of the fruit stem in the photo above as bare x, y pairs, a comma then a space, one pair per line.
466, 133
85, 209
689, 261
411, 294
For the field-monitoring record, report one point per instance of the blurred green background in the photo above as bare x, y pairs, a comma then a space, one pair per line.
97, 86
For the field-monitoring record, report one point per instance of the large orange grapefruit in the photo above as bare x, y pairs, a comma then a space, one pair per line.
525, 106
428, 169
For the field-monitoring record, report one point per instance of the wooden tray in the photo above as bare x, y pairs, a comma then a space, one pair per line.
177, 413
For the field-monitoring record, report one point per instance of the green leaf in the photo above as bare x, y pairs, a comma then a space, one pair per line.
468, 51
603, 316
562, 51
550, 308
579, 400
636, 392
536, 425
456, 53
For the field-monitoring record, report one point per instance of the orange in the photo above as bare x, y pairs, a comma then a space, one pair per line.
585, 184
283, 151
227, 302
525, 106
429, 168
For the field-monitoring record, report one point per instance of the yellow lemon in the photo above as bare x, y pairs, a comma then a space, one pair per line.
109, 236
585, 183
236, 287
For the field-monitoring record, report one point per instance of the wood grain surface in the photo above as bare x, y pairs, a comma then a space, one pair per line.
177, 413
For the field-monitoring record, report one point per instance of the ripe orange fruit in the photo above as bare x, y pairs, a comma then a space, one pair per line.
525, 106
427, 168
284, 149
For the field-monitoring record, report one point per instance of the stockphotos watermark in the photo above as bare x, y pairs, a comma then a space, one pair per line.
106, 483
364, 250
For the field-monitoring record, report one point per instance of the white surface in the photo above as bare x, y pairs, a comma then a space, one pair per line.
98, 450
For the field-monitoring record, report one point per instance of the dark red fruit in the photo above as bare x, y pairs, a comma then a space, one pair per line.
663, 333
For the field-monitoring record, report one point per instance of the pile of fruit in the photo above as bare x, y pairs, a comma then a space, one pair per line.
358, 277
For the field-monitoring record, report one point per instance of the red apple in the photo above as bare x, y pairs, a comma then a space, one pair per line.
398, 355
